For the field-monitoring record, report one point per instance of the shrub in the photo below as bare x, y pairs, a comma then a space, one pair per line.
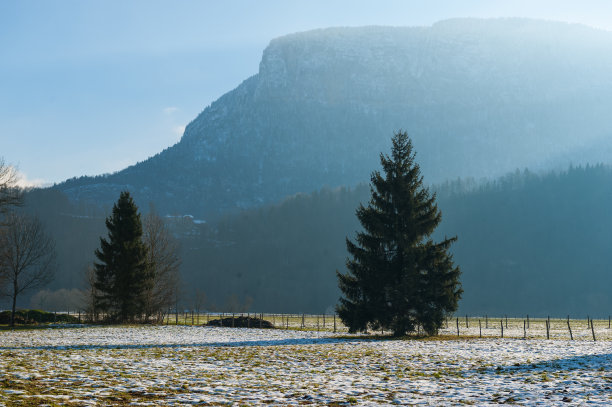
37, 317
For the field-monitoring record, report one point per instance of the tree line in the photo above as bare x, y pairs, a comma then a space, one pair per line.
529, 243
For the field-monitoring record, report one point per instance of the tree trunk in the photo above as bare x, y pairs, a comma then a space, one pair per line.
14, 304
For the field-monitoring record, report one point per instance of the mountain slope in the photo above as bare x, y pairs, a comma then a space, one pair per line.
479, 98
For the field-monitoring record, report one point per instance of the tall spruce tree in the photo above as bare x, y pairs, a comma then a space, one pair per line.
122, 276
398, 279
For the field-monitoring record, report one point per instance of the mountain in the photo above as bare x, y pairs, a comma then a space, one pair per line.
478, 97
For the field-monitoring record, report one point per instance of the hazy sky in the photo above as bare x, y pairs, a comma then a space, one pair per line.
90, 87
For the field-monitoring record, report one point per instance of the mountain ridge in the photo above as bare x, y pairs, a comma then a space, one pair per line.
479, 98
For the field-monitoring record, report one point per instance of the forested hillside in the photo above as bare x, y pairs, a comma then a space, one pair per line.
532, 243
528, 243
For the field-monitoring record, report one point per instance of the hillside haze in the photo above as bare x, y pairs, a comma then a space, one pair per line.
478, 97
527, 244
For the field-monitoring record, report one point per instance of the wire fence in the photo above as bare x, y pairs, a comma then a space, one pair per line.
310, 322
529, 328
461, 327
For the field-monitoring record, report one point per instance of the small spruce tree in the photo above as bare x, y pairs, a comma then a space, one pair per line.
398, 279
122, 276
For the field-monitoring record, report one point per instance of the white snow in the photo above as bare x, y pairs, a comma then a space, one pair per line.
169, 365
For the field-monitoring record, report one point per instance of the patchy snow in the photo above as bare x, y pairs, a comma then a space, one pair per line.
169, 365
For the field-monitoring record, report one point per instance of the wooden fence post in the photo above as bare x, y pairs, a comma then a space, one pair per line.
524, 330
506, 321
335, 322
303, 322
501, 323
593, 331
466, 321
479, 328
486, 322
547, 329
457, 326
527, 321
569, 327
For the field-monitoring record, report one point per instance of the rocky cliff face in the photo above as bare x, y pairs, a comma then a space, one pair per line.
479, 98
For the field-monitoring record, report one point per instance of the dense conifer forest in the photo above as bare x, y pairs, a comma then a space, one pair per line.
527, 243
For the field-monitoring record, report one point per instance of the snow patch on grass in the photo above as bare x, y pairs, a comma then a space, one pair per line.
180, 365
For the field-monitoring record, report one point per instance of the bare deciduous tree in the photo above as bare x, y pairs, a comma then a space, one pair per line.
199, 299
90, 293
10, 194
234, 304
163, 258
27, 257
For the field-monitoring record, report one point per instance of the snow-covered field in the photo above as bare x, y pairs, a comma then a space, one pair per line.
180, 365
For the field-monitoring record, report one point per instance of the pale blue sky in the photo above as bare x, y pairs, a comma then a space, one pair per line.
90, 87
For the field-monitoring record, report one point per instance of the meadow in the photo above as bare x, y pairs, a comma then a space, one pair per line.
196, 365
